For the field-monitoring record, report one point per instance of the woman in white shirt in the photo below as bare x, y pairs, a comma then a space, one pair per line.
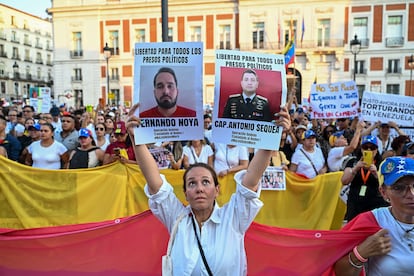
197, 151
230, 159
47, 153
222, 241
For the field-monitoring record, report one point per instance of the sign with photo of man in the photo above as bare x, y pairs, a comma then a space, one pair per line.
249, 90
168, 87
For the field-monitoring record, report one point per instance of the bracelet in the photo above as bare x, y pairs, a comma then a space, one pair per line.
352, 263
358, 256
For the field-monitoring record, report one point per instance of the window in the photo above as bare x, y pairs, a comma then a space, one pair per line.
27, 55
48, 45
394, 31
224, 31
114, 73
140, 35
15, 53
393, 89
2, 71
13, 37
361, 89
26, 40
195, 33
360, 67
39, 58
114, 42
3, 87
361, 30
77, 74
2, 52
39, 73
76, 44
13, 20
290, 31
49, 59
324, 32
28, 74
170, 34
258, 35
393, 66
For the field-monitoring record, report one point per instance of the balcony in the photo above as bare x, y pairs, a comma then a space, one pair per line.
76, 54
28, 59
360, 71
314, 45
15, 40
29, 76
49, 63
38, 46
394, 42
393, 70
3, 36
364, 42
39, 61
16, 57
76, 79
27, 43
114, 77
3, 54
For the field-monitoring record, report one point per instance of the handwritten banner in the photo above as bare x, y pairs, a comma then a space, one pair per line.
388, 107
335, 100
236, 121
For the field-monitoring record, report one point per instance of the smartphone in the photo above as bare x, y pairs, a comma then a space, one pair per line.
367, 157
117, 151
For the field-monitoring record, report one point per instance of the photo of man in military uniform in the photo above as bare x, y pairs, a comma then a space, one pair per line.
248, 105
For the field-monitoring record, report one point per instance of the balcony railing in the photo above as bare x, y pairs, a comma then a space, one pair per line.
394, 70
16, 57
394, 41
27, 43
306, 44
76, 54
28, 59
77, 78
114, 78
38, 46
15, 40
3, 36
39, 61
3, 54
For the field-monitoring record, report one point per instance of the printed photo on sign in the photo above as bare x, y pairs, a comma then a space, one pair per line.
168, 87
273, 179
161, 157
249, 90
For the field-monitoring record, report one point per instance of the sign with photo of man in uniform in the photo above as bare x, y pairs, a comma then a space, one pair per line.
249, 90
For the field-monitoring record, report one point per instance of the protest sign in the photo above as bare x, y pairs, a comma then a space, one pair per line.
388, 107
242, 121
168, 86
40, 99
273, 178
334, 100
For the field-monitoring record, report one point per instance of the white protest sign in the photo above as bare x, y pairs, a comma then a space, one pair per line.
335, 100
168, 86
248, 123
388, 107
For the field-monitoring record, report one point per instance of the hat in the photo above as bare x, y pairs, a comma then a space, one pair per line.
120, 127
54, 111
334, 136
309, 133
68, 114
406, 147
384, 124
393, 168
111, 114
84, 132
299, 110
300, 127
369, 139
34, 127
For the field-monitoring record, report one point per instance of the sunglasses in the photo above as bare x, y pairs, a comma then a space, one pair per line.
401, 189
368, 147
99, 128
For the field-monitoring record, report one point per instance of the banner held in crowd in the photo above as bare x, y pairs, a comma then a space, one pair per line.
387, 107
334, 100
249, 90
168, 86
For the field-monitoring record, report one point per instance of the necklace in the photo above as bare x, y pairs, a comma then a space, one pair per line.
407, 233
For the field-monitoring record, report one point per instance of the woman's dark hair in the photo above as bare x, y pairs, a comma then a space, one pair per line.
326, 130
398, 141
102, 124
200, 165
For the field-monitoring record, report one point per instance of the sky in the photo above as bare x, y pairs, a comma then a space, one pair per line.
36, 7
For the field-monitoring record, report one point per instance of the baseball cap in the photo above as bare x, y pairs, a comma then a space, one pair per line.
309, 133
299, 110
84, 132
120, 127
406, 147
335, 136
369, 139
54, 111
300, 127
35, 127
393, 168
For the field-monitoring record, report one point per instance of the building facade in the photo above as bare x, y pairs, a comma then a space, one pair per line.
321, 30
26, 53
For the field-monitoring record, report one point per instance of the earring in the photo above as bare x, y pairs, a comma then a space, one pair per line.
387, 200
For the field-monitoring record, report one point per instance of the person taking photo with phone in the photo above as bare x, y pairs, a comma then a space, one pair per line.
363, 179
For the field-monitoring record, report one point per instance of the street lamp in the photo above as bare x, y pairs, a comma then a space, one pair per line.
15, 77
107, 56
355, 45
411, 66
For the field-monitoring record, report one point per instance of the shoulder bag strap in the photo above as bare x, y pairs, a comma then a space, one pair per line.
201, 248
173, 232
316, 171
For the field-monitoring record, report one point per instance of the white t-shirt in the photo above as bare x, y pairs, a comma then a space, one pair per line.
336, 158
228, 157
399, 261
304, 165
205, 153
46, 157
